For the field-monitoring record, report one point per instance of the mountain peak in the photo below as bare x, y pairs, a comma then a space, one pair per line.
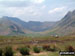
66, 26
14, 25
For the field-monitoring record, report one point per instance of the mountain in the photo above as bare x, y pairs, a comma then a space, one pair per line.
65, 26
37, 26
11, 26
15, 26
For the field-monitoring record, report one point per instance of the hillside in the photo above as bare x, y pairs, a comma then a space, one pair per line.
11, 26
65, 26
15, 26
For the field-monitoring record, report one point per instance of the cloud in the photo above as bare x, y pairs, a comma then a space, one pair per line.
13, 0
56, 10
37, 1
21, 12
20, 3
18, 12
41, 10
15, 3
43, 7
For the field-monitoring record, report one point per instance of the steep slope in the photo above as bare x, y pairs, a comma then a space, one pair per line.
37, 26
15, 26
11, 26
66, 26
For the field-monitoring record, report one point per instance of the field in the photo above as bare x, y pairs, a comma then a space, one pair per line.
19, 41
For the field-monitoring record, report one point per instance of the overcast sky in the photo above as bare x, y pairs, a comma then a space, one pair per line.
36, 10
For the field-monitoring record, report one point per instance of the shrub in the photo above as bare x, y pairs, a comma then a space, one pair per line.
24, 50
46, 47
1, 52
49, 48
36, 49
28, 46
70, 48
8, 51
53, 48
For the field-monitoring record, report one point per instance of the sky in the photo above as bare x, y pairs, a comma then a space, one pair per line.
36, 10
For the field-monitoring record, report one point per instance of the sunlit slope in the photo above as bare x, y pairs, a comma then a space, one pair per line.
66, 26
11, 26
15, 26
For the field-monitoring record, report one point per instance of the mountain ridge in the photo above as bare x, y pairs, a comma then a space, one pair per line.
66, 26
15, 26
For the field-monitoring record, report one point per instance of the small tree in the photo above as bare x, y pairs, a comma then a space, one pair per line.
1, 52
8, 51
46, 47
36, 49
24, 50
53, 48
28, 46
70, 48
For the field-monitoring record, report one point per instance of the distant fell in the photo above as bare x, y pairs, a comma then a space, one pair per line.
15, 26
66, 26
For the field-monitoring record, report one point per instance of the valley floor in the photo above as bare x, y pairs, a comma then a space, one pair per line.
41, 54
18, 41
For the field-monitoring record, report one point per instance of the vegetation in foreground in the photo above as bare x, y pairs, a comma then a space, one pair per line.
24, 50
39, 46
36, 51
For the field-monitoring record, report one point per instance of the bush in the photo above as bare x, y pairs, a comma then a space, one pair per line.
28, 46
24, 50
53, 48
1, 52
49, 48
36, 49
70, 48
8, 51
46, 47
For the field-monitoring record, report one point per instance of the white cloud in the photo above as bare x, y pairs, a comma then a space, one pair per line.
13, 0
37, 1
56, 10
17, 11
23, 11
34, 14
43, 7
